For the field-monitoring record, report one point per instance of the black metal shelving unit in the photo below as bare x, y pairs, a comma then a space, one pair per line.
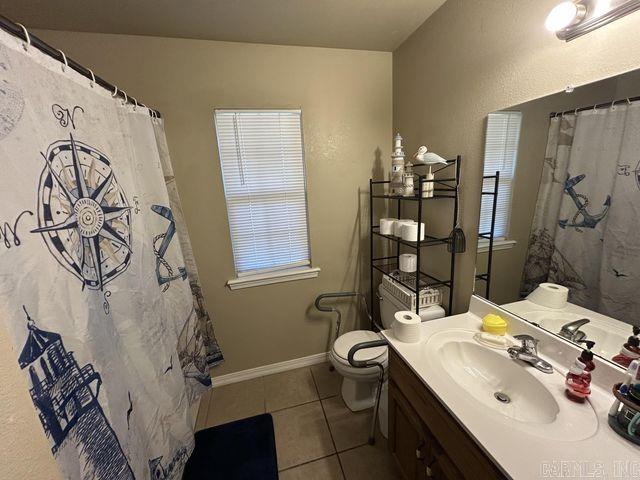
444, 188
486, 277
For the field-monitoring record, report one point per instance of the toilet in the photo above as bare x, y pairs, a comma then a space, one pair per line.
359, 384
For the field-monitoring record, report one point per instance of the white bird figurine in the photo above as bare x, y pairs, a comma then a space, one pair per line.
428, 158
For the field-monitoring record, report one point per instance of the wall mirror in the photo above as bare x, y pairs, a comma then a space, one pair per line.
559, 236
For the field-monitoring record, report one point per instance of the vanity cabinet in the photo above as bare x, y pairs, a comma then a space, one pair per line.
426, 441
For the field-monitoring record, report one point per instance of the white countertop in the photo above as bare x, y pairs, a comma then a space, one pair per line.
524, 455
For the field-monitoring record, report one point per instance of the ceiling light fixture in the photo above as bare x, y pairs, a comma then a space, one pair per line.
571, 19
563, 15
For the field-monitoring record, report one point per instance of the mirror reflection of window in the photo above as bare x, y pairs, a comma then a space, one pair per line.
573, 212
500, 154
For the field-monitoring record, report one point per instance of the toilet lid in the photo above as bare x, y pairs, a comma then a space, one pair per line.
344, 343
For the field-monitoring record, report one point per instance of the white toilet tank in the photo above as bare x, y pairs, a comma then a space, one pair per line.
389, 305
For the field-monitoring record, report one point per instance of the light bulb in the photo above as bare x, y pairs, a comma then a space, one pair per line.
562, 15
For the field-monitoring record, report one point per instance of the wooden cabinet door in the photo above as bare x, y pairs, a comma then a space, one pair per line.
406, 437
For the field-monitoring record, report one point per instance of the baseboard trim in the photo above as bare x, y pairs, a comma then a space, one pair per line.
269, 369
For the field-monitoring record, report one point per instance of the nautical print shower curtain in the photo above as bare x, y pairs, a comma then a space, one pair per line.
586, 229
95, 291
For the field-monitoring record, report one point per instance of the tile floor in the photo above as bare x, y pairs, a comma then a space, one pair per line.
317, 436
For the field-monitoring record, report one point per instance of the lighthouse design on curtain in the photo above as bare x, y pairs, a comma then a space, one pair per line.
66, 397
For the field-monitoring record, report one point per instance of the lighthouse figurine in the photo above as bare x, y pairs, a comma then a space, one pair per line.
397, 166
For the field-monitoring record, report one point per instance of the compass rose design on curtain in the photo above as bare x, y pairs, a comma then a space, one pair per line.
83, 213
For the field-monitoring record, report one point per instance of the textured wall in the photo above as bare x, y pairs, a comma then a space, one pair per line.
345, 97
476, 56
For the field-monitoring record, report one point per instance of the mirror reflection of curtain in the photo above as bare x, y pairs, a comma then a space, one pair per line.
586, 227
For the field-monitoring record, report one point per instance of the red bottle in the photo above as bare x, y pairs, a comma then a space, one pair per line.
578, 379
630, 351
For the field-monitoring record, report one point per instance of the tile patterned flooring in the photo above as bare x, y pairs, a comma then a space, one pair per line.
317, 436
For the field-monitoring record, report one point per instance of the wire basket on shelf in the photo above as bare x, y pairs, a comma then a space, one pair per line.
428, 295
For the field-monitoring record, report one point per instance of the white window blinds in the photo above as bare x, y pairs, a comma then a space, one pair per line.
261, 155
500, 154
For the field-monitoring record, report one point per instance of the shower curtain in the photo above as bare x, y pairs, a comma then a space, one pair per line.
98, 287
586, 228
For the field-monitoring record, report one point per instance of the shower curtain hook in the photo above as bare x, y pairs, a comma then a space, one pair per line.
64, 58
575, 112
628, 102
126, 99
26, 37
93, 77
613, 105
115, 91
135, 102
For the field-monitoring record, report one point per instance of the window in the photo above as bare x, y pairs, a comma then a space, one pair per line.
500, 154
262, 161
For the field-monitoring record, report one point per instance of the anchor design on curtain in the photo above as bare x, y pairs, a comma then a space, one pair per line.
165, 280
582, 202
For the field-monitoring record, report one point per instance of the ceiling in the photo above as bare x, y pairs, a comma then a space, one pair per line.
359, 24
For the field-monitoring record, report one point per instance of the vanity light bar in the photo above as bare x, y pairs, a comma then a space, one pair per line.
585, 16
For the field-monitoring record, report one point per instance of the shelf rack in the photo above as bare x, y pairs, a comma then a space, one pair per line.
444, 188
486, 277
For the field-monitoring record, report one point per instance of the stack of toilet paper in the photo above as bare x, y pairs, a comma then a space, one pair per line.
406, 327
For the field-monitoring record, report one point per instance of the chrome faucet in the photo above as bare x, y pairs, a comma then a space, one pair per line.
571, 331
528, 352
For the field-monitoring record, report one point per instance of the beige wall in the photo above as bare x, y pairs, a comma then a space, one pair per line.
345, 96
473, 57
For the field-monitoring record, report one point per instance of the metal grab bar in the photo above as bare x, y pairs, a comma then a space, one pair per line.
366, 364
322, 308
322, 296
319, 298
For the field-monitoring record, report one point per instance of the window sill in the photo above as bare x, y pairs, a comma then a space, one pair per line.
273, 277
498, 244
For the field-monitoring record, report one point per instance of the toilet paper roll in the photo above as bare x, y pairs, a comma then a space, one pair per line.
410, 232
387, 225
397, 227
406, 326
408, 262
550, 295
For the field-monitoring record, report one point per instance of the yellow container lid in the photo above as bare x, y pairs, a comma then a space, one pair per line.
494, 324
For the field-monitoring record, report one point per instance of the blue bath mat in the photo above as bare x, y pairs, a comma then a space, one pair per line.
240, 450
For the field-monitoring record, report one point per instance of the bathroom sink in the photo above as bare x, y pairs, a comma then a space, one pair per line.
498, 382
510, 391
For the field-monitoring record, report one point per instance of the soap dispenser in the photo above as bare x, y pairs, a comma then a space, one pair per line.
578, 379
630, 351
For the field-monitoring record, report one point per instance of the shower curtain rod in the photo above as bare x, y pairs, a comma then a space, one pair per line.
16, 30
593, 107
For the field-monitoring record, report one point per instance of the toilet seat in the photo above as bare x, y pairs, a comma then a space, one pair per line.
358, 384
345, 342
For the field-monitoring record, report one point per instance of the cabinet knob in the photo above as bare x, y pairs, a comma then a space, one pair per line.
419, 448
